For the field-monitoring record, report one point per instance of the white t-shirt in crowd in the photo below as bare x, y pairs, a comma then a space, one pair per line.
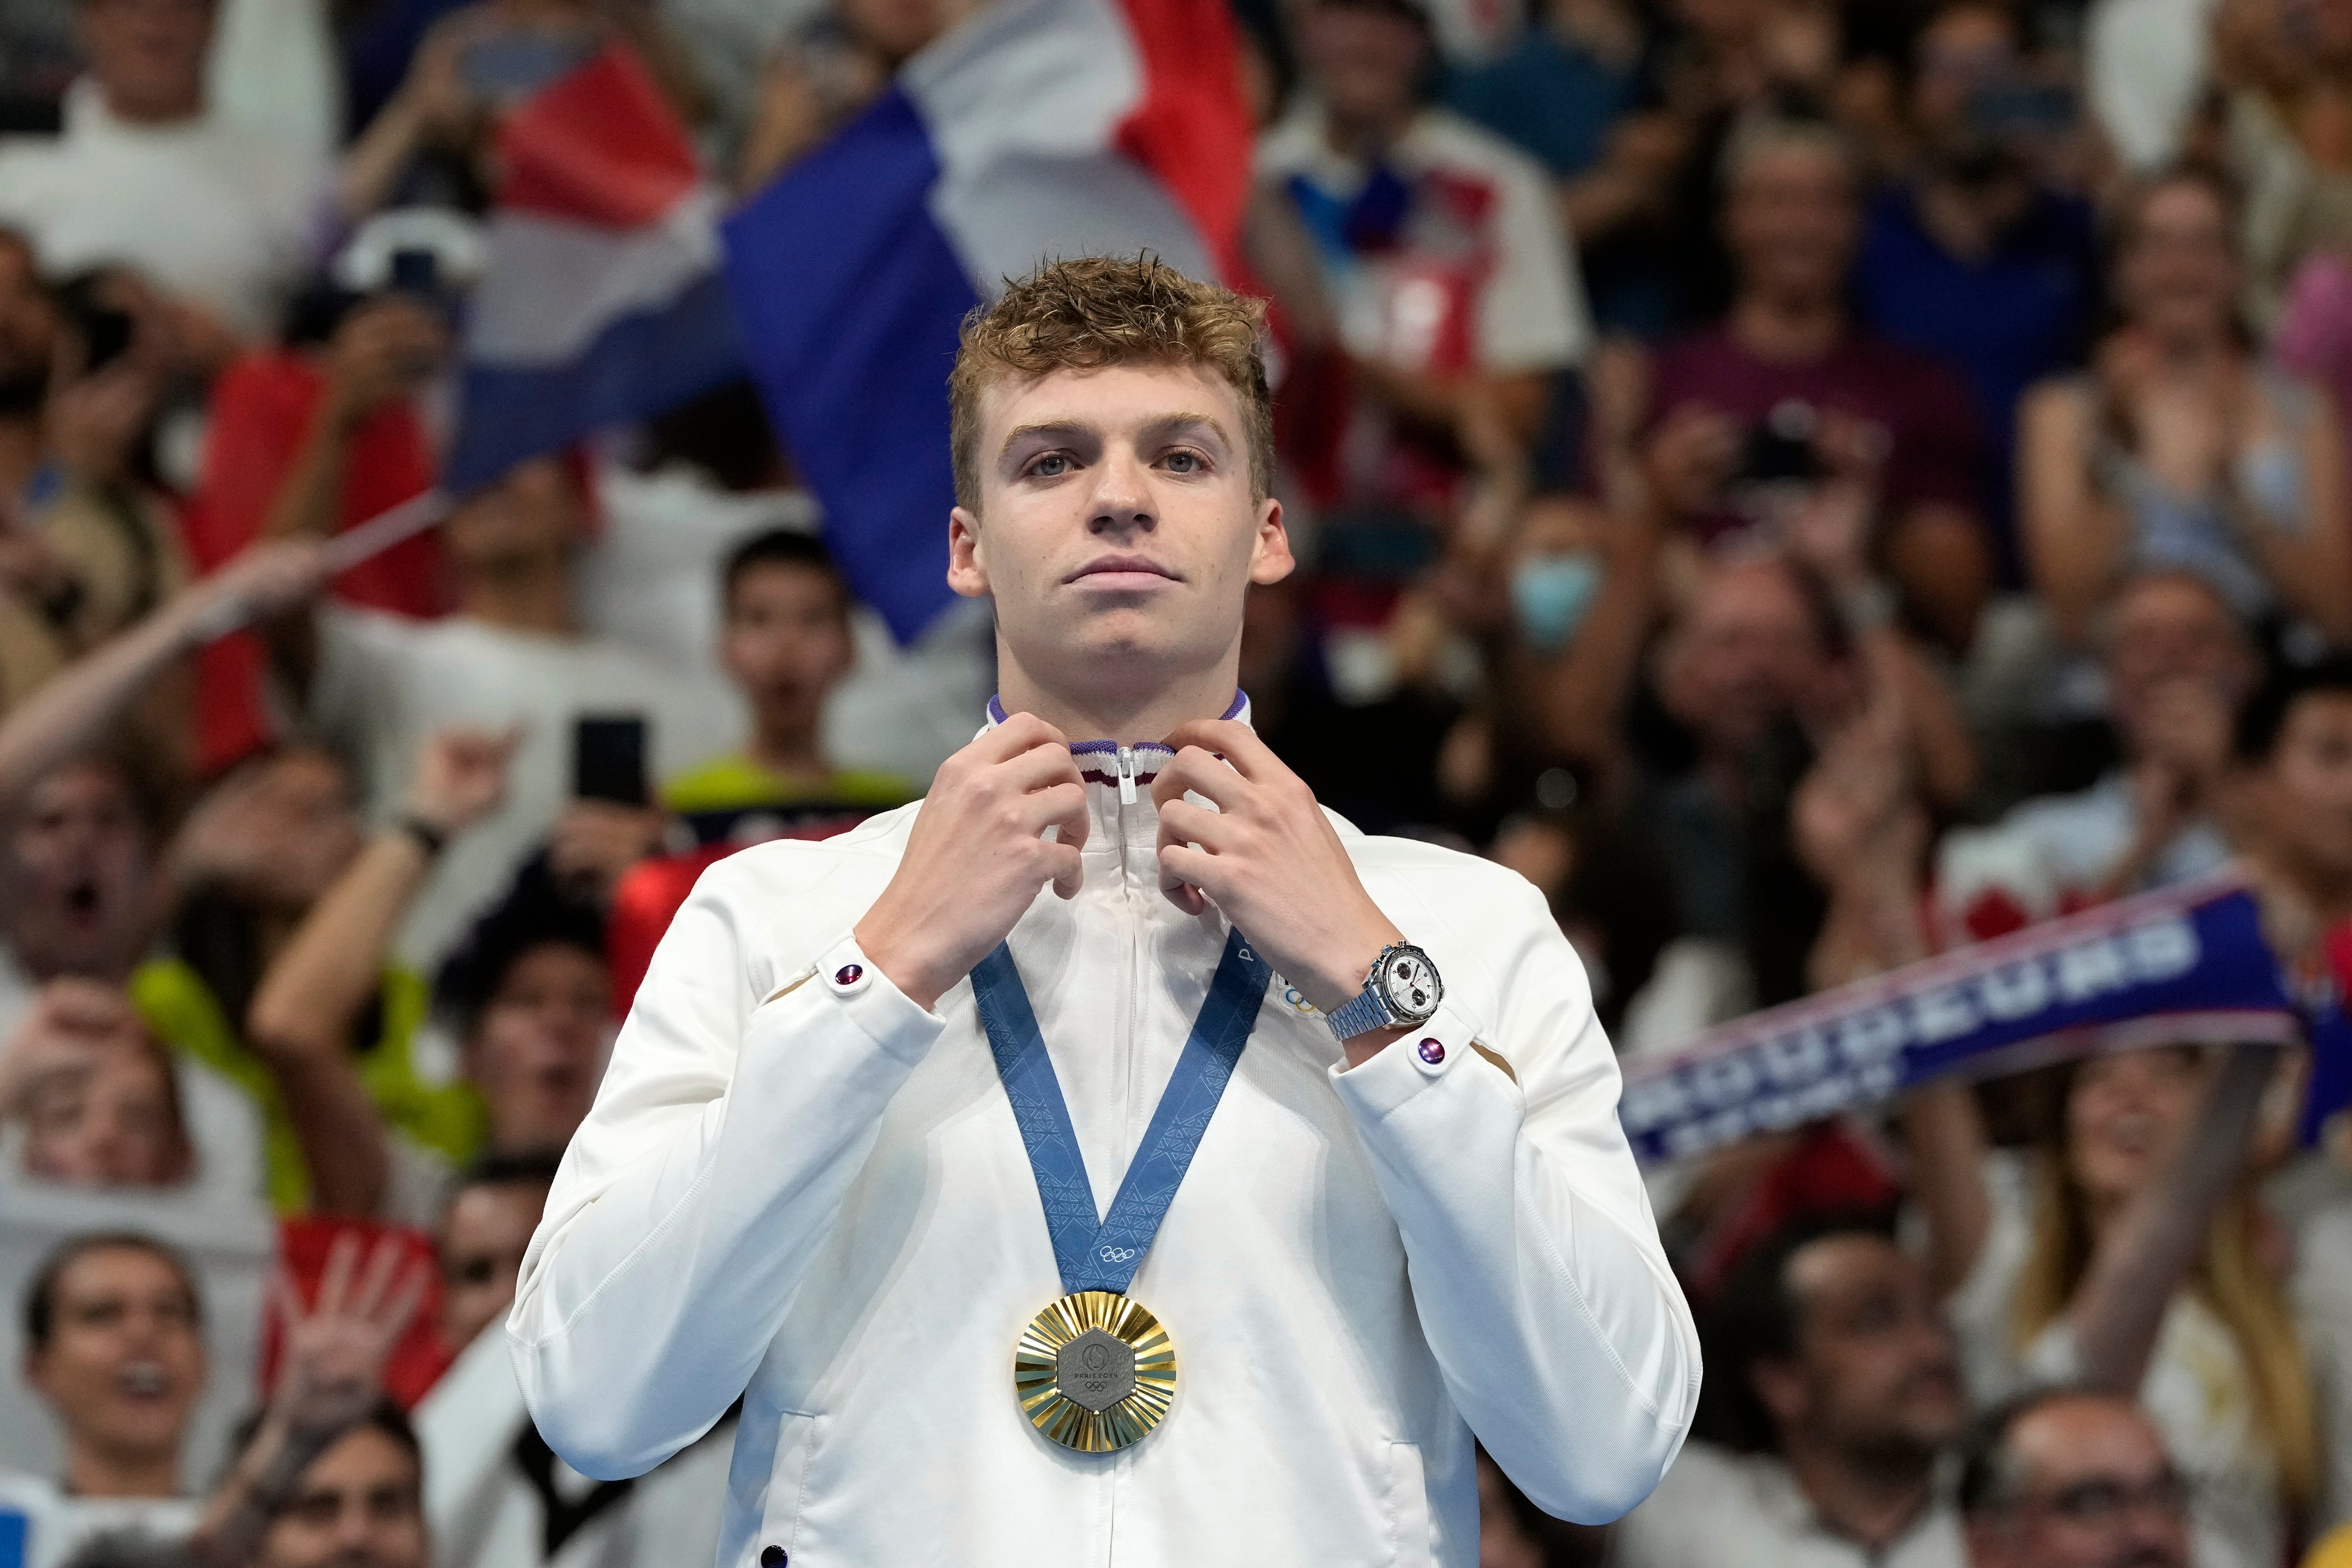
2322, 1294
1716, 1508
2198, 1390
384, 683
204, 207
47, 1527
1530, 312
2143, 67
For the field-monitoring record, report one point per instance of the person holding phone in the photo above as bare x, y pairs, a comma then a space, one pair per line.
848, 1159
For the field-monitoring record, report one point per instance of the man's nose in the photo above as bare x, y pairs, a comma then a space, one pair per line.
1122, 498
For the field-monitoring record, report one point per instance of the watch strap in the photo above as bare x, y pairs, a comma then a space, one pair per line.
1359, 1015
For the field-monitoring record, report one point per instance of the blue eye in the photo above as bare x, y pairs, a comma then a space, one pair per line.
1052, 466
1184, 462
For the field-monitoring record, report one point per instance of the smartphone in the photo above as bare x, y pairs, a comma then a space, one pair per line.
608, 758
506, 66
1772, 455
416, 269
105, 331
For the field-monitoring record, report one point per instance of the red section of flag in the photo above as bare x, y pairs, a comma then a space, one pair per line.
599, 146
262, 408
1192, 127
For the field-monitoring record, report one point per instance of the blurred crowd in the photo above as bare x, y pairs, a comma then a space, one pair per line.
1807, 483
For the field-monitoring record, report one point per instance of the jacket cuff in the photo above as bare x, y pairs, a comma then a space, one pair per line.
843, 978
1408, 1066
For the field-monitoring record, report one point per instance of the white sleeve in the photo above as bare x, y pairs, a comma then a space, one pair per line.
722, 1143
1531, 311
1533, 1261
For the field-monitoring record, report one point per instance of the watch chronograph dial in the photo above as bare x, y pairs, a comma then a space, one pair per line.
1408, 984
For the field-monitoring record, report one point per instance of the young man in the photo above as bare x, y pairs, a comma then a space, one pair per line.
114, 1343
1413, 1213
1851, 1384
786, 643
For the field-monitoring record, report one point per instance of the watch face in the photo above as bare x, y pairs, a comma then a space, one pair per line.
1408, 984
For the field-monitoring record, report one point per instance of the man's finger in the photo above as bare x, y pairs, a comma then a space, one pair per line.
1040, 766
1196, 769
1180, 822
1184, 872
1070, 869
1233, 740
1019, 733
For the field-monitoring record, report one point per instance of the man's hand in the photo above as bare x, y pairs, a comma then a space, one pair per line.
384, 349
336, 1350
460, 777
977, 856
262, 581
73, 1025
1690, 459
595, 841
1268, 857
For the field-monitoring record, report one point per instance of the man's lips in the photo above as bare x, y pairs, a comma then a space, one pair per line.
1122, 572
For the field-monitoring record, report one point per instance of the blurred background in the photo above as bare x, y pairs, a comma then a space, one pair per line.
1813, 484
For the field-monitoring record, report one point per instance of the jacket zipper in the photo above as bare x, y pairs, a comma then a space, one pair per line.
1126, 767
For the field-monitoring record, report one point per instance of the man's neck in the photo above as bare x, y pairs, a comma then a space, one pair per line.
526, 595
790, 751
153, 113
1869, 1501
1366, 137
91, 1473
1787, 329
1128, 715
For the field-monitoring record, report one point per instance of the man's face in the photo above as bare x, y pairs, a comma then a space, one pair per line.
786, 642
483, 1239
1875, 1374
534, 511
1791, 221
359, 1505
115, 1125
2172, 629
1365, 65
147, 56
1747, 655
1116, 529
80, 875
2306, 790
125, 1359
537, 1051
1964, 49
28, 328
2094, 1490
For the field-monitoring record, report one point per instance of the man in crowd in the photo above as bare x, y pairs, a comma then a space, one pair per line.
144, 175
2070, 1478
114, 1346
1442, 265
785, 640
1833, 1356
511, 657
1788, 398
2179, 665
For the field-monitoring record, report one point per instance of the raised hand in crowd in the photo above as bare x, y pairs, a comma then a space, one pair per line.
313, 991
329, 1378
384, 349
2180, 775
95, 1094
594, 841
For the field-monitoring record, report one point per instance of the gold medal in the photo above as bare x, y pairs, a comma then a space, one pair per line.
1095, 1371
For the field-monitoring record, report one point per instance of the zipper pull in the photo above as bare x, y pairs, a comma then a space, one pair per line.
1126, 776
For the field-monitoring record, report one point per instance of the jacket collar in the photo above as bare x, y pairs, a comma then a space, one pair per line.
1100, 766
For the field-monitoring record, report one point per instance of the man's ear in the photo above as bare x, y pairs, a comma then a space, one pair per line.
967, 574
1270, 557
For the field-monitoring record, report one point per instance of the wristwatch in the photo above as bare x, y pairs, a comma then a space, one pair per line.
1402, 988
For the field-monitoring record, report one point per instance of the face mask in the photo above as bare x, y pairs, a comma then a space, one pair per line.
1551, 594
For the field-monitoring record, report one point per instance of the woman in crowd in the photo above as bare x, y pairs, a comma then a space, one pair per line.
2125, 1250
2180, 448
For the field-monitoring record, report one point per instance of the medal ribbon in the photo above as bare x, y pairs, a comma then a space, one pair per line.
1105, 1255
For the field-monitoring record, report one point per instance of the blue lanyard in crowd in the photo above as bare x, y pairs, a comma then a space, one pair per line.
1104, 1256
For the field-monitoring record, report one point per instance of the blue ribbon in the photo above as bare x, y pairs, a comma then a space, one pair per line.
2178, 966
1104, 1256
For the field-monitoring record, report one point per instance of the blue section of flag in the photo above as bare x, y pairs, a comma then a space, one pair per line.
13, 1528
638, 365
850, 299
2330, 1090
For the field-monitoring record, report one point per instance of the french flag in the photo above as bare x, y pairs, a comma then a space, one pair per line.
602, 299
1035, 129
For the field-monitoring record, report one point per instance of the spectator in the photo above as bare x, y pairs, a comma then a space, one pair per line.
97, 1096
786, 641
81, 878
2177, 448
1973, 258
832, 65
143, 175
2293, 743
1830, 1339
484, 1232
2069, 1477
511, 655
330, 1476
1440, 263
2282, 68
1787, 396
114, 1346
2178, 666
30, 328
2125, 1253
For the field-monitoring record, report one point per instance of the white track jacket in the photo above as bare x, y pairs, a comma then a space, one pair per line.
819, 1201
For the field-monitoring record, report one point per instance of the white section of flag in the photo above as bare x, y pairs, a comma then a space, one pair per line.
553, 285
